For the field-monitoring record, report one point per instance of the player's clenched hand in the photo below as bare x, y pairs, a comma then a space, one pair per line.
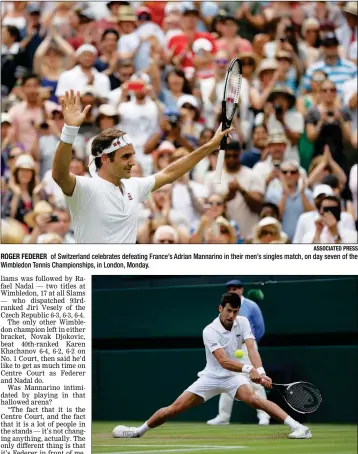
266, 381
214, 143
255, 376
72, 109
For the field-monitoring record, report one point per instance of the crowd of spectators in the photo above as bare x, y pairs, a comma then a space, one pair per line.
156, 70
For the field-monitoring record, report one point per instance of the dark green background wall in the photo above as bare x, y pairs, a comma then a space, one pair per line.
131, 384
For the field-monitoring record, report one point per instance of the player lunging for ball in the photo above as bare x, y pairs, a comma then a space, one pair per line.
223, 373
104, 209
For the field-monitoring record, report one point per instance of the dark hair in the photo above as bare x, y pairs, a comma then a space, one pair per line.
206, 129
32, 183
231, 298
234, 145
100, 116
180, 73
76, 158
332, 198
110, 31
30, 76
331, 180
273, 206
14, 32
102, 141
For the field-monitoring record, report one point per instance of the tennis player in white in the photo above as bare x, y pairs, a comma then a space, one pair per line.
223, 373
104, 209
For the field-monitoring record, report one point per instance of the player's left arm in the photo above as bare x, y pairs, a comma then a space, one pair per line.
180, 167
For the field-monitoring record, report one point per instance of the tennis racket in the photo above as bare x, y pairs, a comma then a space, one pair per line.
301, 396
229, 105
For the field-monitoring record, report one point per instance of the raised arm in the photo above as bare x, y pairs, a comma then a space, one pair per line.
179, 168
73, 116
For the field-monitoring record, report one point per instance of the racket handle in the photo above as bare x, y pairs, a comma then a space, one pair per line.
219, 167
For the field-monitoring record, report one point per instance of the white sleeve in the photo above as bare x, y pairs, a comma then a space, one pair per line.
211, 339
296, 122
246, 329
144, 187
300, 231
63, 84
82, 194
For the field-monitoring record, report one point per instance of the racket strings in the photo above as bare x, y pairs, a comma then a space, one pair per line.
232, 90
304, 397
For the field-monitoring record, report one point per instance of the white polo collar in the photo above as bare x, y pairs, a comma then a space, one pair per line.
220, 328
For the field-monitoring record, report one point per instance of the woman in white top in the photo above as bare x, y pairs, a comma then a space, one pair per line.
353, 186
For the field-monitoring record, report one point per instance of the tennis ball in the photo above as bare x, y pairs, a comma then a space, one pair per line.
239, 354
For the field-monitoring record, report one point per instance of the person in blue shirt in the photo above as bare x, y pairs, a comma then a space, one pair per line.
252, 312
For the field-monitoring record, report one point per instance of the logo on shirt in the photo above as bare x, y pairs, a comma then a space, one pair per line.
129, 196
238, 335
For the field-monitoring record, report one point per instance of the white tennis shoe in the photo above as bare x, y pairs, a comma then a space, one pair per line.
218, 422
300, 432
125, 432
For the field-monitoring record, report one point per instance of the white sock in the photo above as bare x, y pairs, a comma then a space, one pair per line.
143, 429
290, 422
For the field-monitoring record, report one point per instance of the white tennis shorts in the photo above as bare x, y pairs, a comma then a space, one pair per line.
208, 387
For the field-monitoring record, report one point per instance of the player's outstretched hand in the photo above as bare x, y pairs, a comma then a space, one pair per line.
72, 109
266, 381
214, 143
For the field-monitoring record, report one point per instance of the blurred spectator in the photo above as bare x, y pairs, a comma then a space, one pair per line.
324, 11
328, 125
140, 116
124, 71
249, 65
258, 151
110, 21
338, 69
322, 166
249, 17
267, 231
303, 104
281, 117
327, 228
268, 75
27, 116
350, 100
188, 196
214, 221
84, 74
13, 58
53, 56
310, 33
163, 155
12, 232
165, 234
242, 189
23, 190
347, 33
229, 39
306, 222
176, 86
291, 198
108, 60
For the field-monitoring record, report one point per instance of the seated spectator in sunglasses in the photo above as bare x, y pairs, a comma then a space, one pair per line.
327, 225
267, 231
292, 198
249, 65
268, 210
214, 209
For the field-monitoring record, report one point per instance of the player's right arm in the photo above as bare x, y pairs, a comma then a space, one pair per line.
73, 116
212, 342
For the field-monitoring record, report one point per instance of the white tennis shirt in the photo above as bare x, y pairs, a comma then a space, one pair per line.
100, 213
215, 336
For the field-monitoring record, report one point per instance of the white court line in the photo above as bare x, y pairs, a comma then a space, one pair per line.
196, 448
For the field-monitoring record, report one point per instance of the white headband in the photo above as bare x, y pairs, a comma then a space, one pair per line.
117, 143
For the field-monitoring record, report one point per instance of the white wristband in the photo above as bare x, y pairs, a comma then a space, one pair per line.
261, 371
69, 134
246, 369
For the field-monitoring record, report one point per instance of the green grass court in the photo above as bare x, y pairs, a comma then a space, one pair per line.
194, 438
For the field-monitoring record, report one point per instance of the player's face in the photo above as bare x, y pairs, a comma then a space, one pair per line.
227, 316
122, 164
